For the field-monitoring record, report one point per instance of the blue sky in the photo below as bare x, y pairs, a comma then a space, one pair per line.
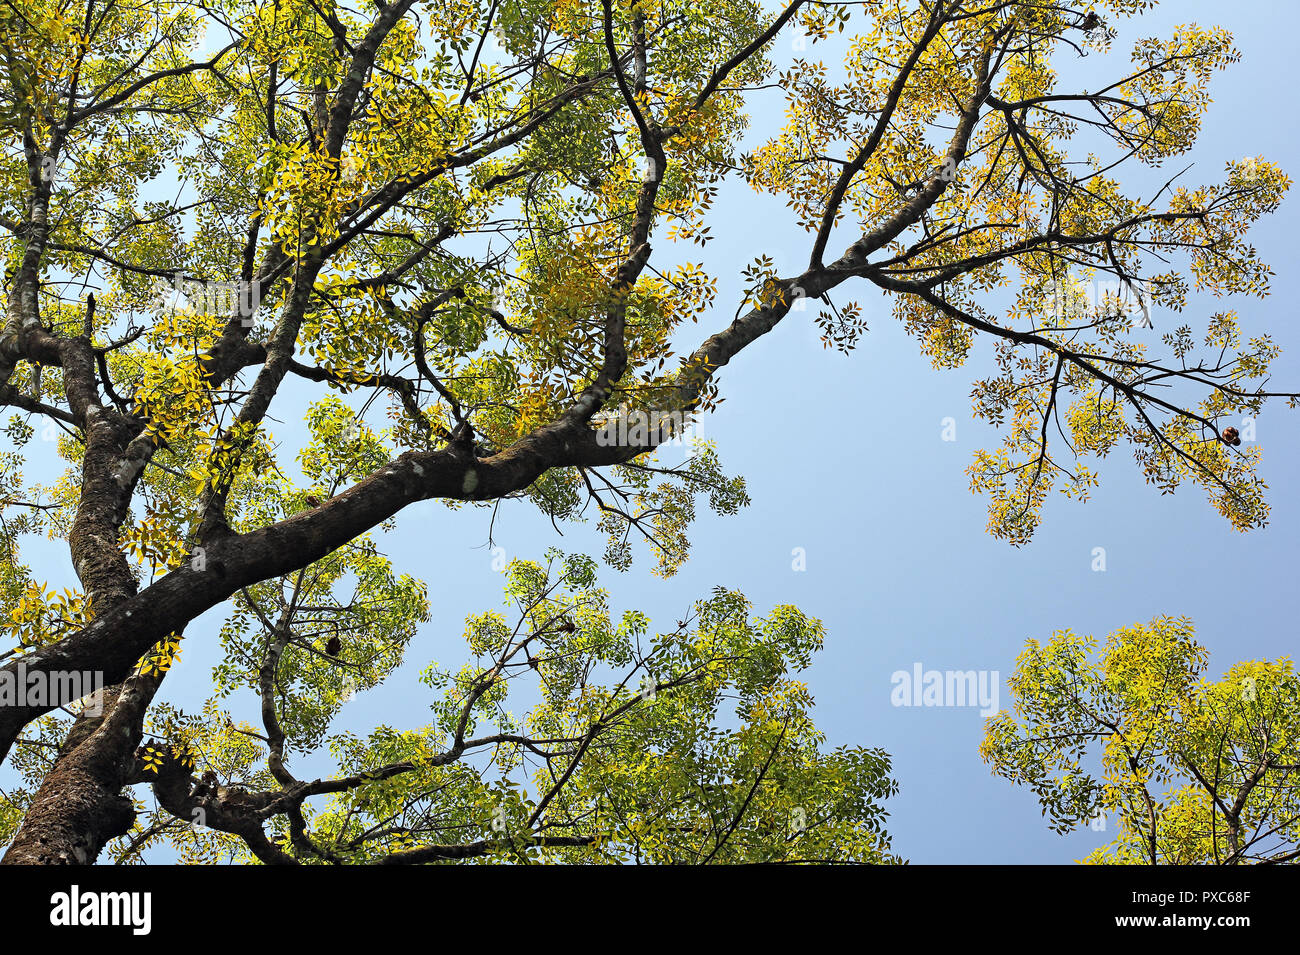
844, 458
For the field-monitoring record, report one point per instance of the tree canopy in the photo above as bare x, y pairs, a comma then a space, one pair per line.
435, 220
1195, 772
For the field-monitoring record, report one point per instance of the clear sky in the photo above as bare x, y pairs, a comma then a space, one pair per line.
844, 458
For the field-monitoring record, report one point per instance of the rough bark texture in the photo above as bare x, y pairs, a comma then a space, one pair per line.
72, 829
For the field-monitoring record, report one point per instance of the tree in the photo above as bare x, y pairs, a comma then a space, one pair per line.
634, 769
436, 219
1197, 772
